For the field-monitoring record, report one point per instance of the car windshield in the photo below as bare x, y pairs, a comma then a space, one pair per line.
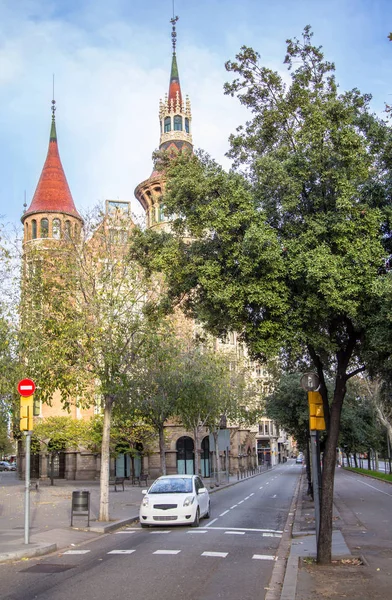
171, 486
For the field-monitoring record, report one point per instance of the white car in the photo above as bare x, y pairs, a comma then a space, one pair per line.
175, 500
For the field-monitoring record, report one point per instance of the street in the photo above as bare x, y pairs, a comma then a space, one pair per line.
231, 555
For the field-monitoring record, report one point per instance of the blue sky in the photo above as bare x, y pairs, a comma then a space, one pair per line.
111, 61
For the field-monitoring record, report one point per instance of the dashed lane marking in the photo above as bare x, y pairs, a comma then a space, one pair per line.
218, 554
235, 506
167, 552
266, 531
77, 552
224, 513
121, 551
126, 531
235, 532
263, 557
159, 532
211, 522
197, 531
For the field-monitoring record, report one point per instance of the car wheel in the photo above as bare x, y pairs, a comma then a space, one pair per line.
208, 513
197, 519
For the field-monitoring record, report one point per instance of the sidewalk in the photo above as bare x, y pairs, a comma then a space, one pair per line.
358, 572
50, 515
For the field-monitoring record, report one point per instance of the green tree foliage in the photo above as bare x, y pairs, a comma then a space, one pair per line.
290, 247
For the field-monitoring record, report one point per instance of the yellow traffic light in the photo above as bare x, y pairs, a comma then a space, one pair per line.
26, 413
316, 411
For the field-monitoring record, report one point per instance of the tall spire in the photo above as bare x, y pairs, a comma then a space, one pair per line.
174, 85
52, 193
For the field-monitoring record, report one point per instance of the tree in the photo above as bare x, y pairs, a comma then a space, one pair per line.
84, 321
287, 249
59, 433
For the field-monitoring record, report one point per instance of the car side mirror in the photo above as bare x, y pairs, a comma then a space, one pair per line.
144, 492
202, 490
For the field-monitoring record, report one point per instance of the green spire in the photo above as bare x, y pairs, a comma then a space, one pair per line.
174, 69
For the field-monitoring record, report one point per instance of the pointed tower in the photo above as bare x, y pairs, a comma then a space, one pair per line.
175, 135
52, 213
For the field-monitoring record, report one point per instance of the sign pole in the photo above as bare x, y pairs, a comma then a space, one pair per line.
316, 483
27, 488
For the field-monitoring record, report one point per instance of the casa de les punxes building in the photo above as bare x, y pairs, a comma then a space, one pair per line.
51, 216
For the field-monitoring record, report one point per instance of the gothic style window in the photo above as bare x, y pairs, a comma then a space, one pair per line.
177, 123
34, 229
56, 229
167, 124
44, 228
67, 230
187, 124
161, 212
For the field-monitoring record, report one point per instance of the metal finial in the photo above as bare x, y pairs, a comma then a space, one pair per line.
53, 101
173, 21
24, 203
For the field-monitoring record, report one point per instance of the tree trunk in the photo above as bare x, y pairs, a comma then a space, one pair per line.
52, 468
162, 452
105, 461
369, 459
355, 460
197, 450
376, 463
324, 546
215, 433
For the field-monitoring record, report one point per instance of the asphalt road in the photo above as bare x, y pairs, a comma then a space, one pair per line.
230, 556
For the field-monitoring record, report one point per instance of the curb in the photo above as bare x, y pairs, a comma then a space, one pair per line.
37, 550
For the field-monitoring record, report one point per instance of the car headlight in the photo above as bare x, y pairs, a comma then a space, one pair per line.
145, 501
189, 500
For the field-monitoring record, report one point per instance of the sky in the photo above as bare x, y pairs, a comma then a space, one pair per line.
111, 61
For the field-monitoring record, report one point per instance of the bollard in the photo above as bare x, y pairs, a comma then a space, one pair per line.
80, 505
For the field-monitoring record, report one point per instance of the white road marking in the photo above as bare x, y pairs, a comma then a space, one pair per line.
252, 494
235, 532
240, 502
247, 498
235, 506
272, 535
76, 551
126, 531
197, 531
372, 486
263, 557
155, 532
121, 551
274, 496
260, 488
224, 513
219, 554
272, 531
211, 522
167, 552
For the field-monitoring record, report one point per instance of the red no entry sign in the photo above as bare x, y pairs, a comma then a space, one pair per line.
26, 387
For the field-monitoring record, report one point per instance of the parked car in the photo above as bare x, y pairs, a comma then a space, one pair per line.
175, 499
6, 466
300, 458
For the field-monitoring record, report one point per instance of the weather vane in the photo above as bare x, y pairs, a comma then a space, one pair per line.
53, 101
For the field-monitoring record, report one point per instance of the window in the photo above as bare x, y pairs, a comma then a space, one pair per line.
161, 212
187, 124
266, 428
34, 229
67, 230
27, 231
177, 123
167, 124
44, 228
56, 229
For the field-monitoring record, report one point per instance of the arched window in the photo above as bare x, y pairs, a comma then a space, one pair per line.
177, 123
44, 228
187, 124
185, 456
34, 229
56, 229
67, 230
167, 124
161, 216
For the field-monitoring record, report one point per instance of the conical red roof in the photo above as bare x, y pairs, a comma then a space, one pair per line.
174, 85
52, 193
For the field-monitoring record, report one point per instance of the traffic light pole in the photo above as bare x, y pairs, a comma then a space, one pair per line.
314, 443
27, 487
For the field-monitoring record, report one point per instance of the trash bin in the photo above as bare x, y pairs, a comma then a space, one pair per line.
80, 505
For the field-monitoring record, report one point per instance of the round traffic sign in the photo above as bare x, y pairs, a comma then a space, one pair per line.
26, 387
310, 382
